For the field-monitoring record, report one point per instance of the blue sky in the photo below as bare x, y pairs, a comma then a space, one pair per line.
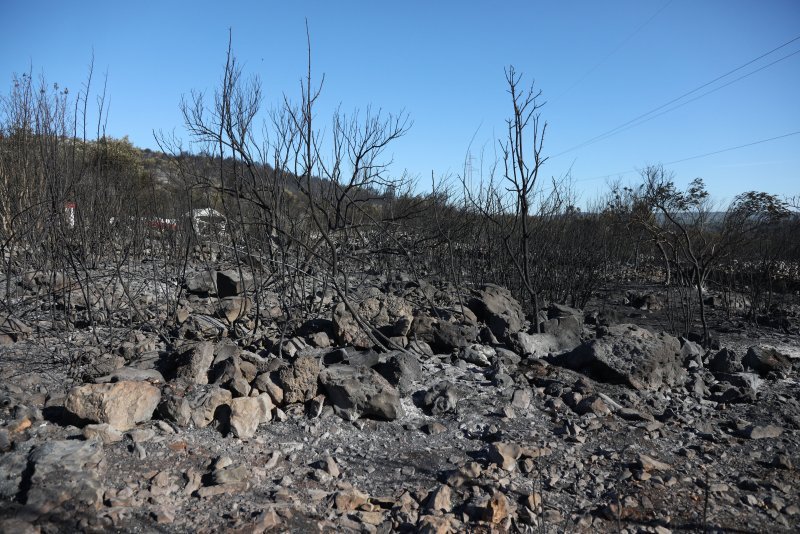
599, 65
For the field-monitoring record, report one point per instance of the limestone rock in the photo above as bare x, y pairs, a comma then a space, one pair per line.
501, 312
194, 363
120, 404
360, 392
630, 355
388, 314
299, 380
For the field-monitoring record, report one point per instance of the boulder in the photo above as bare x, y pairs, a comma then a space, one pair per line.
360, 392
120, 404
203, 283
204, 403
767, 360
565, 324
194, 363
630, 355
501, 312
401, 370
234, 307
233, 282
65, 472
387, 314
298, 380
246, 414
725, 361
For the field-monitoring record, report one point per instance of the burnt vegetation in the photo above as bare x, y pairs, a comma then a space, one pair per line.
289, 237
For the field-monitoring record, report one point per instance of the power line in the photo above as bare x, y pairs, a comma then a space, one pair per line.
622, 126
705, 155
614, 51
787, 56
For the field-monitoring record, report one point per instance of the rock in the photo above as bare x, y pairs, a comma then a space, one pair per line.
205, 401
232, 282
234, 308
359, 392
65, 471
630, 355
12, 329
202, 283
264, 383
480, 355
441, 398
401, 370
766, 360
349, 499
194, 363
246, 414
646, 463
299, 380
120, 404
725, 361
440, 499
505, 455
496, 510
388, 314
102, 432
762, 432
536, 345
501, 312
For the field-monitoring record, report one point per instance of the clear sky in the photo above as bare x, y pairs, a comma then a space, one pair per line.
599, 65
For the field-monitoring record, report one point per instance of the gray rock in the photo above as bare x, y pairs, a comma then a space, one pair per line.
194, 363
725, 361
388, 314
231, 283
204, 401
766, 360
298, 380
630, 355
120, 404
441, 398
401, 370
360, 392
65, 471
202, 283
501, 312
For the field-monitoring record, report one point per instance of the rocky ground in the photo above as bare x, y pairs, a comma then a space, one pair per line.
474, 423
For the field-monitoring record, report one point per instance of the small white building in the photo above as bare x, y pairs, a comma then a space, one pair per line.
205, 220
